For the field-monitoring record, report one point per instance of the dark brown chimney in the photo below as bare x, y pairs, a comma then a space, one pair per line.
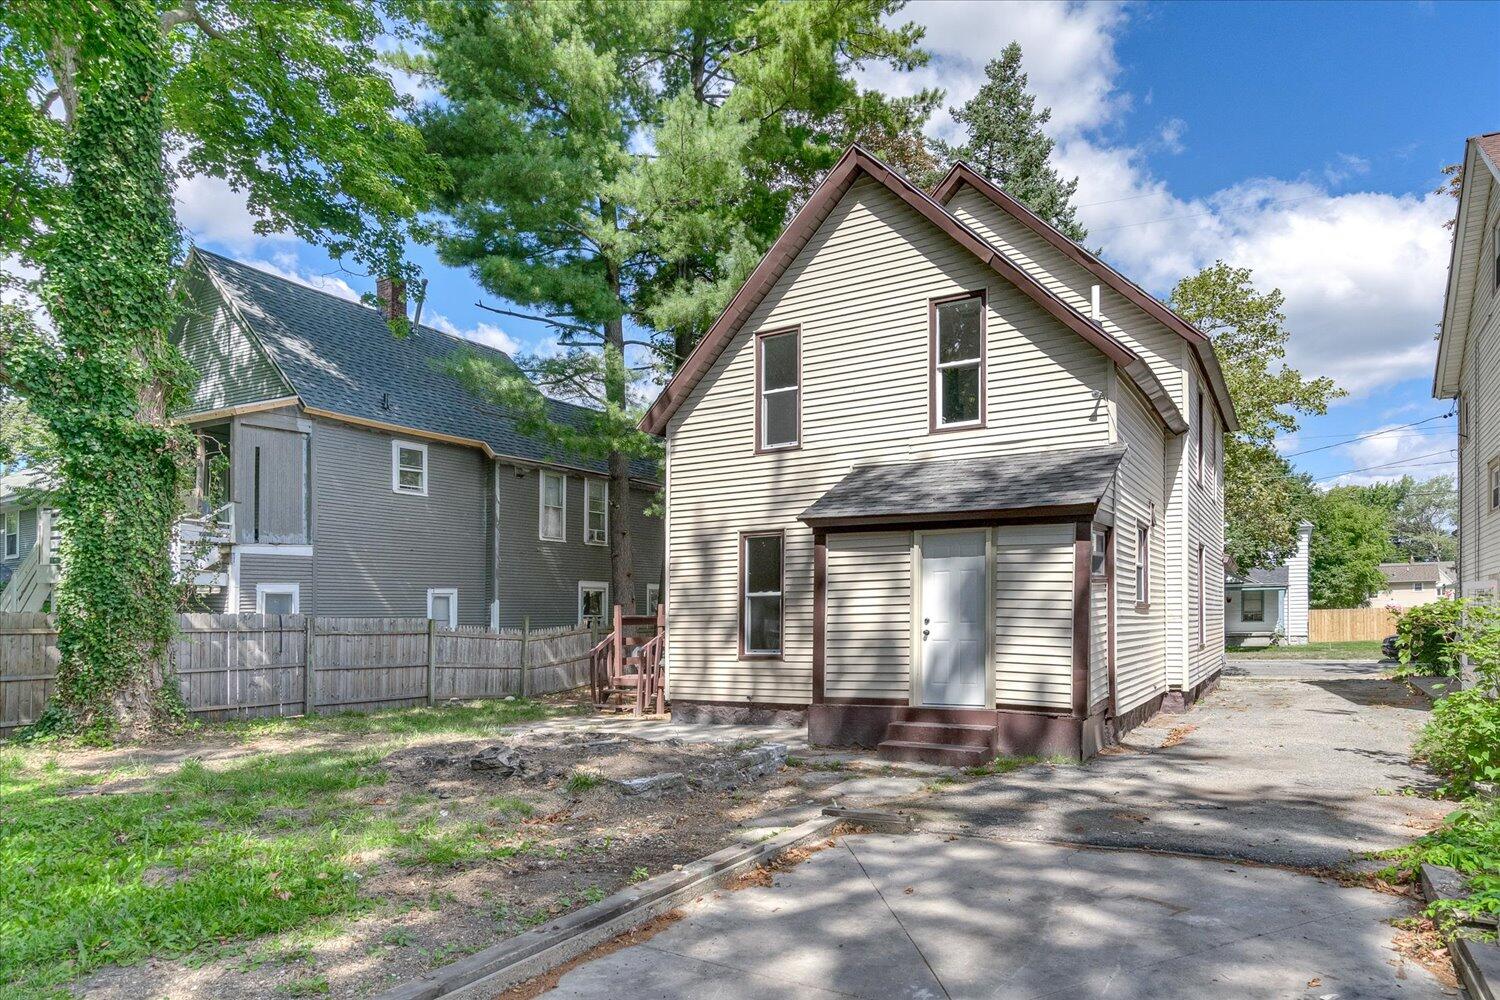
390, 294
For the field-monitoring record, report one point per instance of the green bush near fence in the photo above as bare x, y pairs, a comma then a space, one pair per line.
1427, 637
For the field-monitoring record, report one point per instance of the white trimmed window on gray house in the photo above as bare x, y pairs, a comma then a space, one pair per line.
596, 511
593, 601
442, 605
653, 597
12, 523
409, 467
552, 504
278, 598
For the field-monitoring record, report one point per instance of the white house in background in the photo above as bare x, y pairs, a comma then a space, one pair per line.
940, 480
1468, 364
1266, 605
1408, 584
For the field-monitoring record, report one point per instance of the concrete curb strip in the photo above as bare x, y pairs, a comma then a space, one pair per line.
880, 822
1477, 962
536, 951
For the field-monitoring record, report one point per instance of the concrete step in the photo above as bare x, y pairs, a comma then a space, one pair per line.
958, 734
934, 753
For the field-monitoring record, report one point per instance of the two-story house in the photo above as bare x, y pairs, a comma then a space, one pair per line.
941, 480
1468, 364
344, 471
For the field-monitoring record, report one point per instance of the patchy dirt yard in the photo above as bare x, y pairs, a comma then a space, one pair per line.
303, 861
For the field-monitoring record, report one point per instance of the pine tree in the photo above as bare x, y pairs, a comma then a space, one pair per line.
1005, 143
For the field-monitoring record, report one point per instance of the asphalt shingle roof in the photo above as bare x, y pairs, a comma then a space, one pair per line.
1075, 478
1276, 576
341, 357
1415, 572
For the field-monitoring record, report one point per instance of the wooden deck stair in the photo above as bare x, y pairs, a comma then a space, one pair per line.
626, 672
954, 744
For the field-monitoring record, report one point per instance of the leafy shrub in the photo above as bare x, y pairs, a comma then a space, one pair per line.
1427, 637
1461, 740
1469, 842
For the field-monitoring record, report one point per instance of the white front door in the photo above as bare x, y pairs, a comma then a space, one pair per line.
954, 621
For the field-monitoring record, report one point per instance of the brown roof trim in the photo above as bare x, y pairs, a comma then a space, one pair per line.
962, 173
955, 519
855, 162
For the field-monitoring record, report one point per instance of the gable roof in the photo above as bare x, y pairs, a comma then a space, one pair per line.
1481, 174
854, 164
341, 360
1275, 576
1417, 572
961, 173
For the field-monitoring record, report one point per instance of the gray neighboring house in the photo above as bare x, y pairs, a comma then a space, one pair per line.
22, 522
1262, 606
342, 471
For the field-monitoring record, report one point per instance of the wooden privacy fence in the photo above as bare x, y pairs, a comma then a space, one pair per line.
247, 666
1350, 624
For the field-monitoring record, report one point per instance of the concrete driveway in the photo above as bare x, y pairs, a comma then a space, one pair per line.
1307, 669
1051, 881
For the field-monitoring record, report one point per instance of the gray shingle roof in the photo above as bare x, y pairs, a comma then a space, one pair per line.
1073, 480
1276, 576
1416, 572
341, 357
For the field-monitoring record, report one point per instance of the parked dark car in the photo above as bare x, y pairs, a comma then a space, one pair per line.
1388, 648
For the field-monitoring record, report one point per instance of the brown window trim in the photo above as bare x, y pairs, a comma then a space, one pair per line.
984, 361
760, 336
745, 536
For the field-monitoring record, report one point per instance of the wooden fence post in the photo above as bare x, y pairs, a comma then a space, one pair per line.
525, 656
309, 670
432, 627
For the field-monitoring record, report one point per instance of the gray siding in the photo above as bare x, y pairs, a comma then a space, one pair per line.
539, 578
376, 552
255, 568
232, 369
28, 541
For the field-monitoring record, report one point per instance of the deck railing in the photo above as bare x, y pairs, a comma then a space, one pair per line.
627, 668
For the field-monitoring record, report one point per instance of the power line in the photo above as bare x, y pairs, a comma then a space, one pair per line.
1361, 437
1412, 462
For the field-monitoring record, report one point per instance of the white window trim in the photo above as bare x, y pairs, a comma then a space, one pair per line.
541, 506
653, 597
1143, 564
1494, 484
452, 594
263, 589
938, 367
10, 527
588, 484
1245, 608
1202, 601
396, 445
604, 605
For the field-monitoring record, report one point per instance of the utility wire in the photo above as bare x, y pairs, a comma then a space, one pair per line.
1361, 437
1371, 468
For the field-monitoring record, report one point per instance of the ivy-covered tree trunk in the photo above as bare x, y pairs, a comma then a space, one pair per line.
105, 386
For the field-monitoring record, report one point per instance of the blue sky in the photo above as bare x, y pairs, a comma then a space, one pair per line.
1300, 140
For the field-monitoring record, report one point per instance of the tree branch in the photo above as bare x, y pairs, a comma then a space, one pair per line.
560, 324
188, 13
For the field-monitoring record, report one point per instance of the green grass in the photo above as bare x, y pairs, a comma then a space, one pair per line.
583, 781
201, 860
1311, 651
465, 720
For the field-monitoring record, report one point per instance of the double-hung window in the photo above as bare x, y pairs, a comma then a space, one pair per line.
1253, 606
442, 606
553, 501
1495, 486
761, 583
409, 468
1198, 420
593, 602
778, 390
1143, 564
1098, 552
1202, 601
596, 511
12, 524
958, 355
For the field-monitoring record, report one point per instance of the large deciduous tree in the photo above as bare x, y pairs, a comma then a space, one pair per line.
1350, 539
284, 101
615, 171
1004, 140
1264, 500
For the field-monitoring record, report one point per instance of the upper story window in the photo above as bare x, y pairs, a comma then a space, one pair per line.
12, 524
1198, 424
596, 511
958, 356
409, 467
778, 376
1494, 486
553, 501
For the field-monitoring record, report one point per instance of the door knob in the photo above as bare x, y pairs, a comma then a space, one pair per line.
924, 633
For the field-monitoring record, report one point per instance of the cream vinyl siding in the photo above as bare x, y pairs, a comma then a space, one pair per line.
1034, 615
1205, 527
1140, 636
868, 646
859, 291
1479, 391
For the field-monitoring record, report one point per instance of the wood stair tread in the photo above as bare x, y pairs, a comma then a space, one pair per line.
966, 726
917, 745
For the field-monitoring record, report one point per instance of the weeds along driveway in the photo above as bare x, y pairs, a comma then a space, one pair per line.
1283, 772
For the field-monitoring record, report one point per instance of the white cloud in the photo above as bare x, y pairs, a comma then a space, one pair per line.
285, 264
1394, 451
213, 212
487, 334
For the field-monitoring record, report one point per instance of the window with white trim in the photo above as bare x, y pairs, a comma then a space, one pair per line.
552, 519
12, 521
596, 511
1495, 485
278, 598
1143, 564
1198, 421
1202, 601
1098, 552
653, 597
593, 602
442, 606
779, 370
1253, 606
1417, 585
958, 362
409, 467
761, 584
